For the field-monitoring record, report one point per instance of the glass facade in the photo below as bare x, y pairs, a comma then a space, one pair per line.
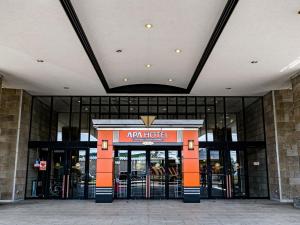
231, 142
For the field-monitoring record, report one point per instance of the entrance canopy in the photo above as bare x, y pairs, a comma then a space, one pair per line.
127, 123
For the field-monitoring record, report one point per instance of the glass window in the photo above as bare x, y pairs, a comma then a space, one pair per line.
61, 118
234, 119
94, 115
95, 100
92, 173
201, 115
143, 100
75, 133
162, 100
84, 127
114, 100
254, 119
40, 125
172, 100
257, 172
210, 127
36, 178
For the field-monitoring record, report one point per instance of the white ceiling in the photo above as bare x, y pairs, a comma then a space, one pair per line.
266, 31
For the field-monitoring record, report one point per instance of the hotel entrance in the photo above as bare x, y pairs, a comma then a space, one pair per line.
148, 174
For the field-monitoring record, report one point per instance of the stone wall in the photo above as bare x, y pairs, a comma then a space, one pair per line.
14, 131
285, 122
271, 147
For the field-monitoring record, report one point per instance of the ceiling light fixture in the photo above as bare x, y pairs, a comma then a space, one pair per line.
125, 79
148, 26
40, 60
119, 50
178, 50
228, 88
254, 62
148, 65
170, 79
67, 88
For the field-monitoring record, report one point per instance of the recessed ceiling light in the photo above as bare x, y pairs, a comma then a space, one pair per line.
40, 60
228, 88
299, 12
178, 50
125, 79
148, 65
254, 62
119, 50
78, 101
66, 88
148, 26
170, 80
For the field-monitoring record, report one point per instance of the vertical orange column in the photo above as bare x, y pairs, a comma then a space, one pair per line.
190, 167
104, 169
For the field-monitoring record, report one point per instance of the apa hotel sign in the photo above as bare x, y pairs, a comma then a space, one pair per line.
147, 136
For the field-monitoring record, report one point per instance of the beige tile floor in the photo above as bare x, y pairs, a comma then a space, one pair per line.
210, 212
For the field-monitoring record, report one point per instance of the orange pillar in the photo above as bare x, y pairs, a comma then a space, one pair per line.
190, 169
104, 169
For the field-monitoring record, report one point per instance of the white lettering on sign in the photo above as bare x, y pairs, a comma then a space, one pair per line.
147, 135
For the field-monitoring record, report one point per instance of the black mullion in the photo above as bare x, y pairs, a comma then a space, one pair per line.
48, 173
266, 154
166, 174
215, 115
177, 113
129, 174
209, 174
186, 107
246, 151
80, 105
206, 119
89, 120
180, 169
70, 120
87, 166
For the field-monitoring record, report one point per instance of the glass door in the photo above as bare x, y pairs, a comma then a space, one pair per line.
68, 177
216, 173
147, 174
237, 174
76, 177
57, 174
157, 174
138, 174
174, 178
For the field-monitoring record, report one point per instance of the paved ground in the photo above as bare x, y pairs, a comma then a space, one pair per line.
210, 212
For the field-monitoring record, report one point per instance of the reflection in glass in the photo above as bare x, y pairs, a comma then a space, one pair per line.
121, 174
234, 119
237, 170
174, 174
138, 174
158, 174
203, 173
216, 169
41, 111
77, 174
92, 173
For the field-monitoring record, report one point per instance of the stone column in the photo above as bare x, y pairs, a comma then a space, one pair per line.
295, 180
14, 136
282, 125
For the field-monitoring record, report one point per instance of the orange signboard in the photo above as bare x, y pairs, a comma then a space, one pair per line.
147, 136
